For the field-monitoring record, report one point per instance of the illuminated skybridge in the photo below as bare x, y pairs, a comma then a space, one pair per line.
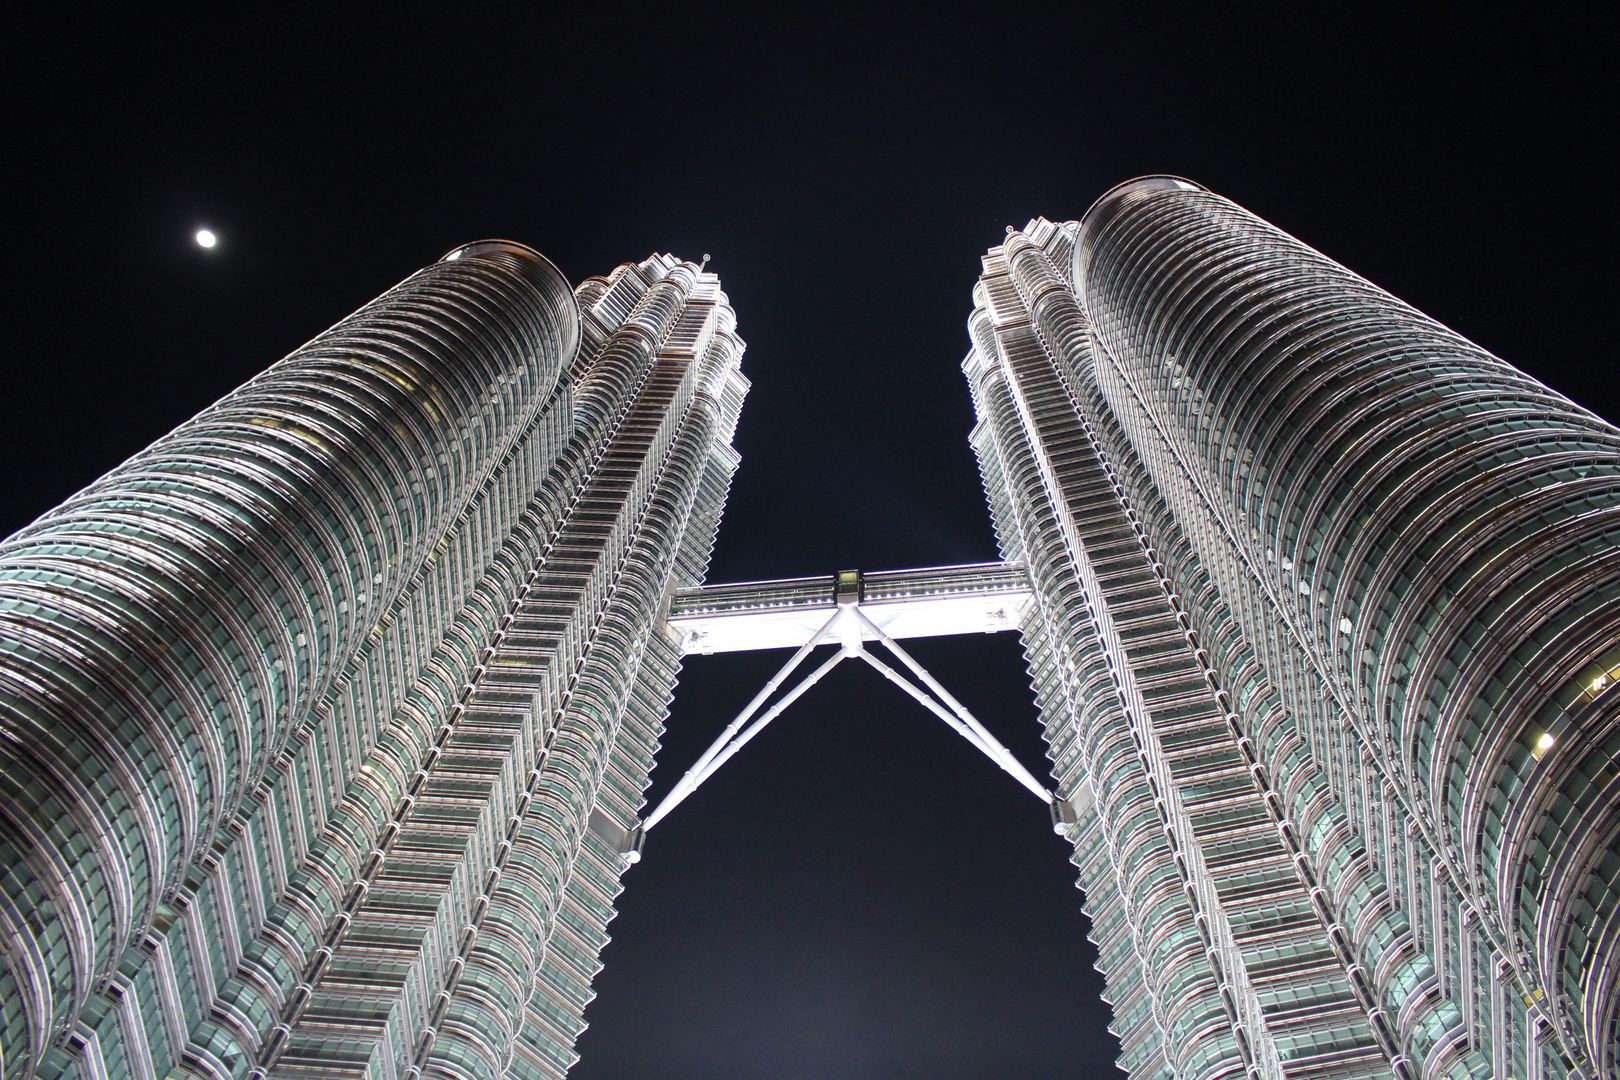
848, 610
981, 597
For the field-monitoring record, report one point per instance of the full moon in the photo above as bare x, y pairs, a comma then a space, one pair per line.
206, 238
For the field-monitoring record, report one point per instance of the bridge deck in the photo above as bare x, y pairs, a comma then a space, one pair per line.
786, 613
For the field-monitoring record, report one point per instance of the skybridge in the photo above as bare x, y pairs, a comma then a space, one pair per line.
848, 610
783, 614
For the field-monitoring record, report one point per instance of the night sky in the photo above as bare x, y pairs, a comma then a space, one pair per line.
858, 894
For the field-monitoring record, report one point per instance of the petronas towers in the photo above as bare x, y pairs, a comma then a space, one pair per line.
327, 718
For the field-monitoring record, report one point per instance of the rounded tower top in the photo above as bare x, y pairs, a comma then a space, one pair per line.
540, 272
1103, 210
486, 248
489, 247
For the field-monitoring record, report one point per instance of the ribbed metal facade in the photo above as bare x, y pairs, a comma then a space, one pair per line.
326, 716
1328, 628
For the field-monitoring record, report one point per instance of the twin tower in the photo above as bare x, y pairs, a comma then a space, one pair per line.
325, 720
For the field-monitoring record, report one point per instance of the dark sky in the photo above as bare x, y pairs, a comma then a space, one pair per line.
857, 895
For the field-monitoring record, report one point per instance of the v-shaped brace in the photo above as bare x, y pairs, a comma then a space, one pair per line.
848, 626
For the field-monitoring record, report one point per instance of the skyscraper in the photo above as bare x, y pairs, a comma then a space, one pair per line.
327, 716
1324, 640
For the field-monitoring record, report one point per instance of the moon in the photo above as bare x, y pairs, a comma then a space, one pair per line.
205, 238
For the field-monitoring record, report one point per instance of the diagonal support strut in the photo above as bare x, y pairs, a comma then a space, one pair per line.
697, 774
985, 741
939, 702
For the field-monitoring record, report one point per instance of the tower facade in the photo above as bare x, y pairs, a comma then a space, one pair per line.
327, 717
1324, 641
